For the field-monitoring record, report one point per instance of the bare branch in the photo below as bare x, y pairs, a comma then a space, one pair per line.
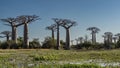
66, 23
27, 18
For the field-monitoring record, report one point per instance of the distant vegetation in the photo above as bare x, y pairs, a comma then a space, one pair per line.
13, 42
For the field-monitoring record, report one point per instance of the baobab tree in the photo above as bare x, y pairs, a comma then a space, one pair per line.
114, 38
109, 38
7, 34
52, 28
77, 40
67, 24
72, 42
94, 31
58, 23
118, 35
86, 38
80, 39
26, 19
13, 23
104, 38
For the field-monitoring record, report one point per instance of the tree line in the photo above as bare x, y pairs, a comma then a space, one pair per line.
51, 42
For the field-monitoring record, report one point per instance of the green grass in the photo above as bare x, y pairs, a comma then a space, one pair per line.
49, 58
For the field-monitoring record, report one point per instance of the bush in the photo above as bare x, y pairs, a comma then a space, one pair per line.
8, 45
49, 43
118, 44
35, 44
86, 45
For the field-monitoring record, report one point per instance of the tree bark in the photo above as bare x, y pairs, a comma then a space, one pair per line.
14, 34
53, 34
58, 40
81, 41
26, 39
67, 47
93, 38
7, 37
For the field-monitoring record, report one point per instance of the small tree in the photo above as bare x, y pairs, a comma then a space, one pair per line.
48, 43
52, 28
35, 43
7, 34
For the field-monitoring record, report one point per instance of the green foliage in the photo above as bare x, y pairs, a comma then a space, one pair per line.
49, 43
8, 44
118, 44
62, 44
35, 44
20, 42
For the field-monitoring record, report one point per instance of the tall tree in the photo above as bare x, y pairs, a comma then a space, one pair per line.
67, 24
13, 23
52, 28
7, 34
94, 31
58, 22
26, 19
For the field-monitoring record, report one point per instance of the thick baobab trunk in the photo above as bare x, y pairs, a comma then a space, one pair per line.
58, 40
71, 42
81, 41
26, 39
7, 37
104, 40
67, 47
53, 34
111, 39
14, 34
93, 38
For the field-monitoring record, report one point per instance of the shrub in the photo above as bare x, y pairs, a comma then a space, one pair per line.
49, 43
8, 44
35, 44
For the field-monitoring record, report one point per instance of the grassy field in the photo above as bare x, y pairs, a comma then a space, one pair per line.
49, 58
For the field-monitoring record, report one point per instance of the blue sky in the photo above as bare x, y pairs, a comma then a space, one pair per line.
104, 14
